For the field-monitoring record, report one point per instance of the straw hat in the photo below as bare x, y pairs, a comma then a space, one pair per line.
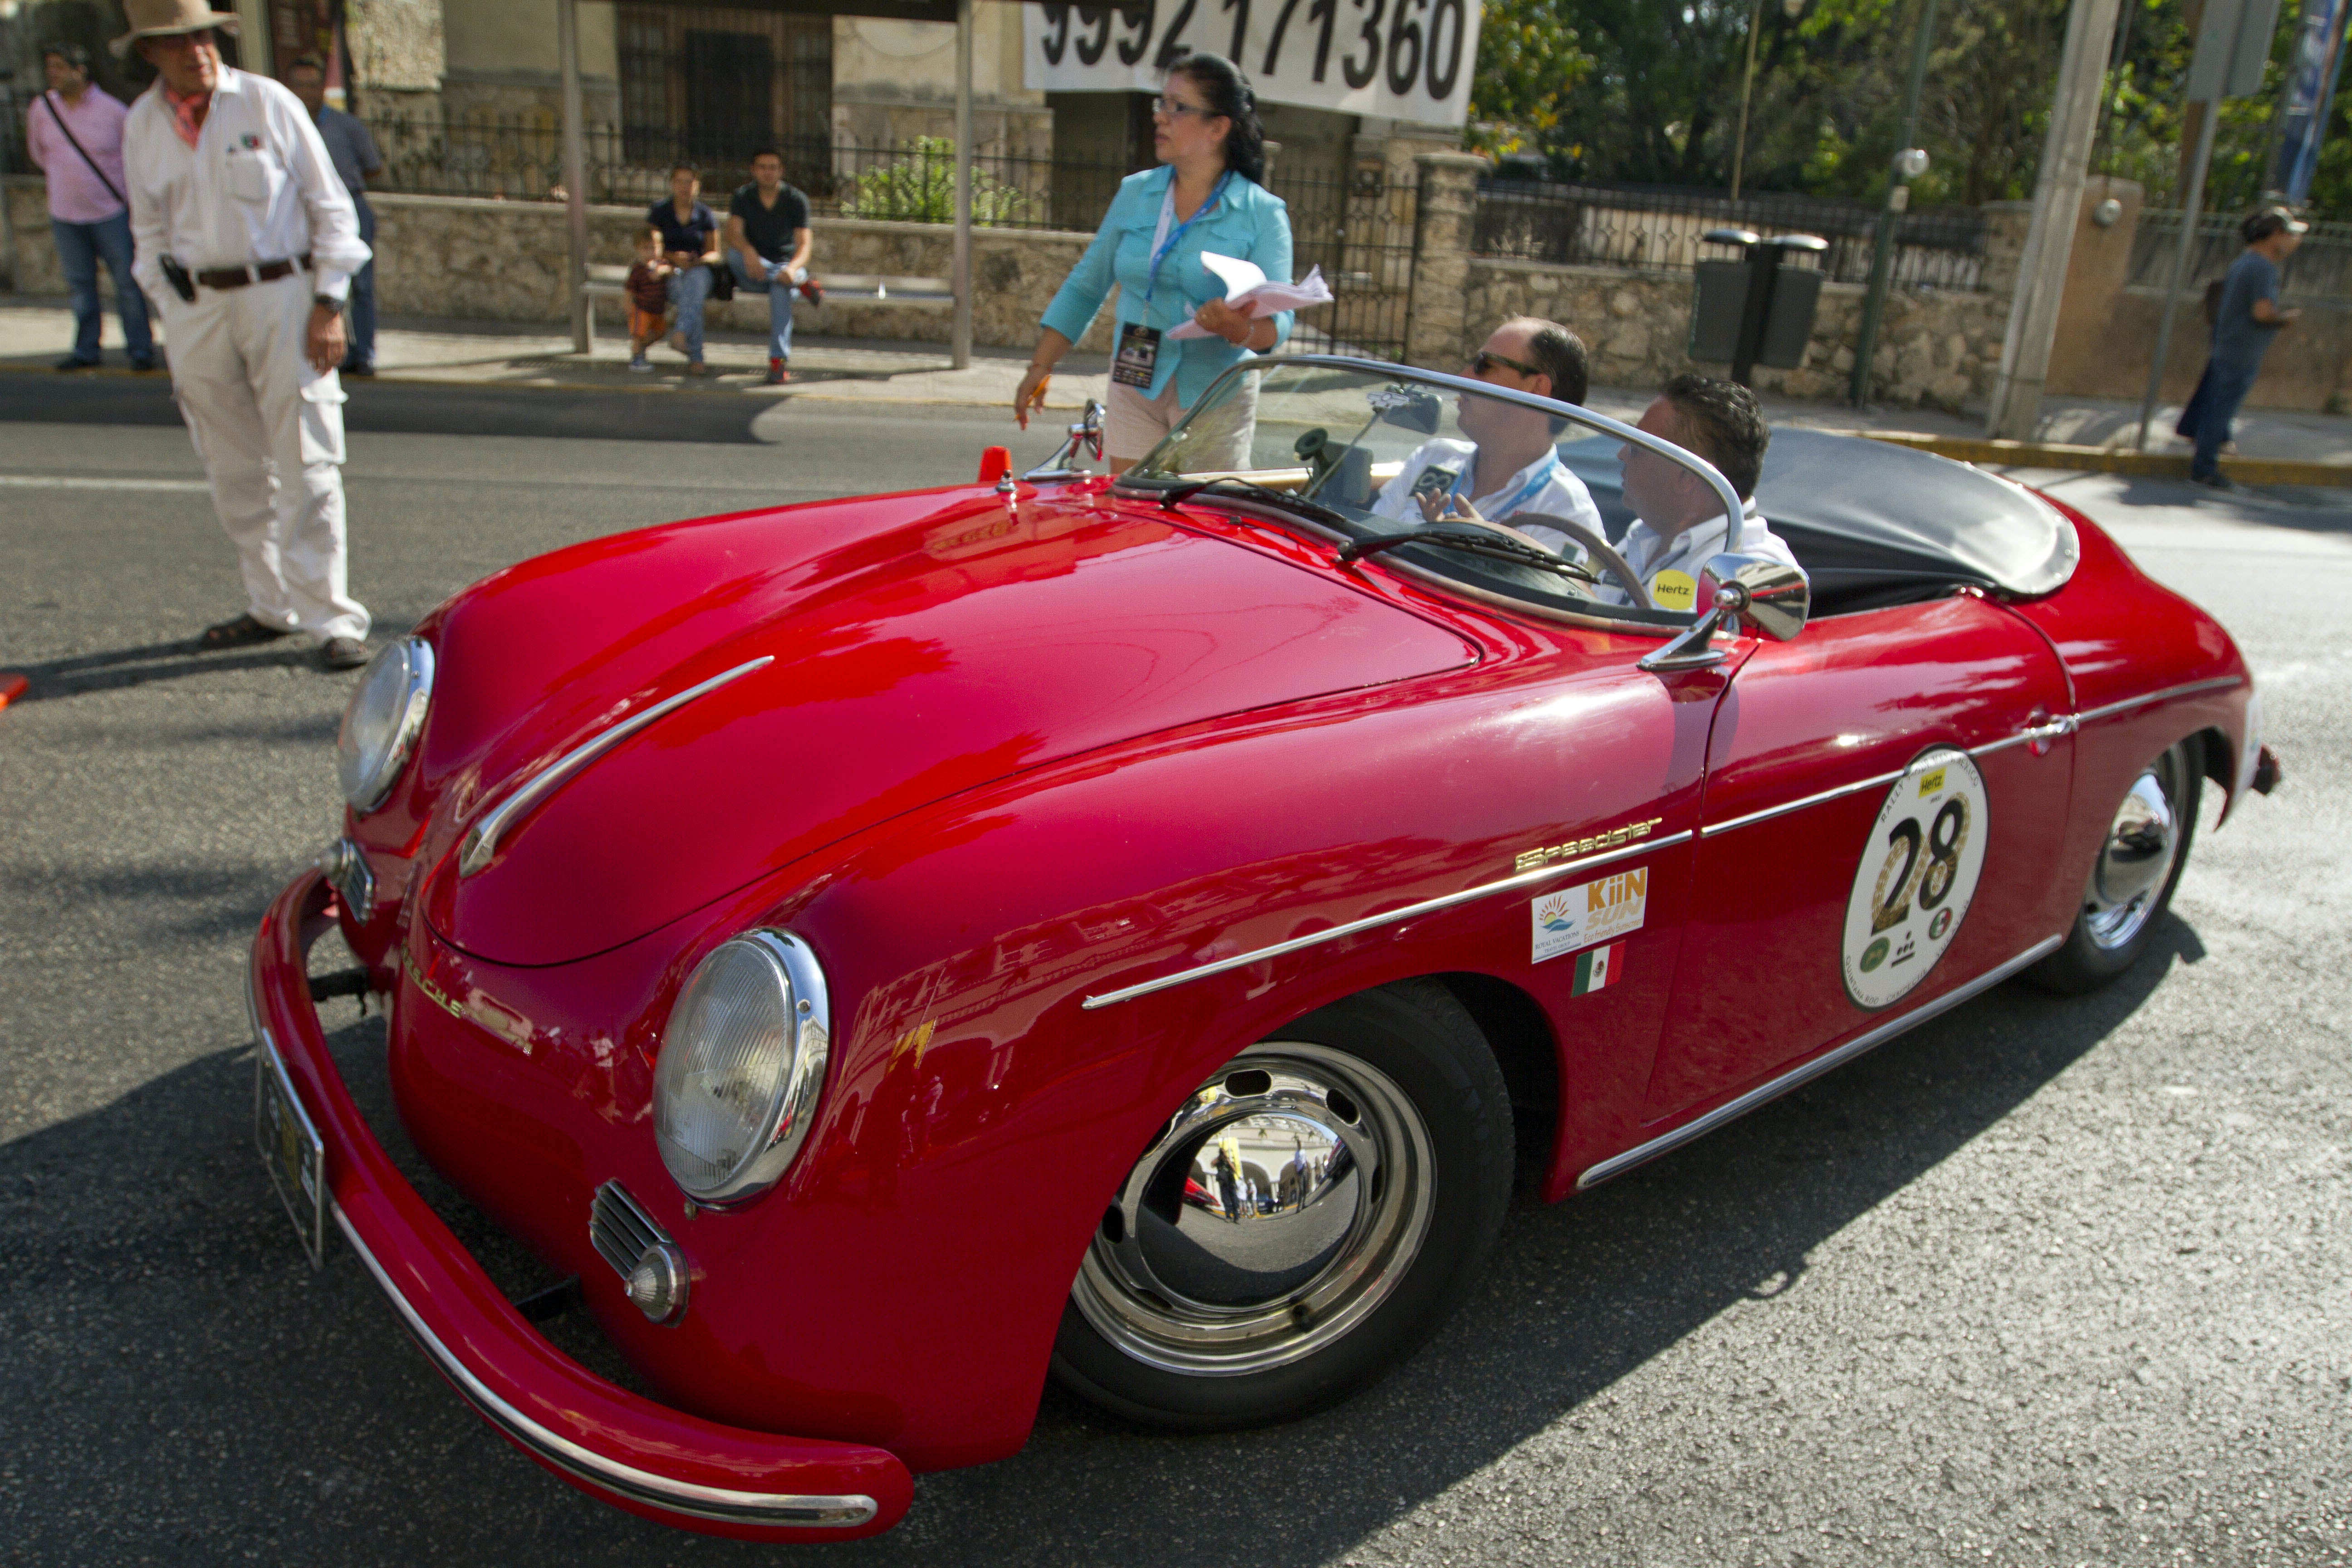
167, 18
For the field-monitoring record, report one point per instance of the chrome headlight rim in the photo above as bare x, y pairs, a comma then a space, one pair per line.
411, 699
783, 1126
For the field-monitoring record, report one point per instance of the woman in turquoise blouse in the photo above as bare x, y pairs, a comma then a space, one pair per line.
1208, 194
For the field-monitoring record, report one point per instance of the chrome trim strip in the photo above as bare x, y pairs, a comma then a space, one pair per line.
1642, 1153
482, 838
2062, 725
2111, 709
1411, 911
609, 1474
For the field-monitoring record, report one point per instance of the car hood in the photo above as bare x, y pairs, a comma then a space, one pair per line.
920, 646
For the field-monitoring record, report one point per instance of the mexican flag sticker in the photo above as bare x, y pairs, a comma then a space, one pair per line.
1602, 966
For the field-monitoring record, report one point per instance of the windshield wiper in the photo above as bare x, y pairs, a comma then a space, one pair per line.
1176, 495
1501, 546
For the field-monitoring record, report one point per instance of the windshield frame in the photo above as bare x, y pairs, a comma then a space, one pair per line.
1133, 481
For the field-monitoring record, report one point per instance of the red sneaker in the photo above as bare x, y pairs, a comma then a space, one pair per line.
812, 291
777, 373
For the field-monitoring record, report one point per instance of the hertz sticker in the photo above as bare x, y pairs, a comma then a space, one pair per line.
1931, 784
1674, 591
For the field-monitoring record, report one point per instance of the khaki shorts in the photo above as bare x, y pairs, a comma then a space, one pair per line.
1134, 424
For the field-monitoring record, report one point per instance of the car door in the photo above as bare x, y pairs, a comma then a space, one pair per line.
1886, 796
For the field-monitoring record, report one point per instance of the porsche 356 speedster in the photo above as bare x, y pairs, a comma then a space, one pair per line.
1140, 931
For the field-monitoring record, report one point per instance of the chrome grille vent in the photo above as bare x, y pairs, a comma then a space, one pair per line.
620, 1228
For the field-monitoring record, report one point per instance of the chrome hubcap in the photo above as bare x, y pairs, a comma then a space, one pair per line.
1276, 1209
2135, 860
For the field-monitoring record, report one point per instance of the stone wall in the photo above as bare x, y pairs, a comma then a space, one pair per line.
1936, 348
460, 255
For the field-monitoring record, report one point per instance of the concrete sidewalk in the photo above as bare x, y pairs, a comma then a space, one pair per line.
2073, 433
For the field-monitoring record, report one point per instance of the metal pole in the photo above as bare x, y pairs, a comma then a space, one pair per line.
575, 171
1898, 197
960, 333
2179, 270
2040, 292
1747, 87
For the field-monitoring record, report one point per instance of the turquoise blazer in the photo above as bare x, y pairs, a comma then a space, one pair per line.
1247, 221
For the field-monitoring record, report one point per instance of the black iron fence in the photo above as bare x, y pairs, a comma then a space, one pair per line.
1661, 231
2320, 268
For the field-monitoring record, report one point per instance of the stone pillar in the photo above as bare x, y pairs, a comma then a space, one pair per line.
1436, 317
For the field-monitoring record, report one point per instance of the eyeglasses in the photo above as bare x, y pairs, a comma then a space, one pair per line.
1486, 360
1167, 106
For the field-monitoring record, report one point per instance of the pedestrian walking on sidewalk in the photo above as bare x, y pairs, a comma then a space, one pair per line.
768, 250
356, 162
74, 132
247, 241
1208, 194
2247, 318
689, 243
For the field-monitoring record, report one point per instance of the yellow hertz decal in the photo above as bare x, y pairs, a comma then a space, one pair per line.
1531, 859
433, 994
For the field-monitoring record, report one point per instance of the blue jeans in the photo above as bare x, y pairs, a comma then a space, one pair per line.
687, 289
2226, 386
362, 346
780, 303
79, 245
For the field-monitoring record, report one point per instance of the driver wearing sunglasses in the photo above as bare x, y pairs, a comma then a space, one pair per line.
1510, 463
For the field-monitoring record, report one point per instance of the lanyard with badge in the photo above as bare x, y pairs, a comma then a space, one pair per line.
1139, 345
1524, 494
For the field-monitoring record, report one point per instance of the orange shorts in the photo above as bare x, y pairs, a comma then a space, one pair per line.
645, 326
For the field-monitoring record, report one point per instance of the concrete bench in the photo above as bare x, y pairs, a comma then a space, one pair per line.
887, 289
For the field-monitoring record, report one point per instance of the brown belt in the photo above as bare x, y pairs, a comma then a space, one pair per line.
238, 276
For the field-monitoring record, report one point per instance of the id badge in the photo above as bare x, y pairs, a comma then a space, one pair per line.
1139, 351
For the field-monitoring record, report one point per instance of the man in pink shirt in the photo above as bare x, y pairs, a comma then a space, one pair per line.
74, 132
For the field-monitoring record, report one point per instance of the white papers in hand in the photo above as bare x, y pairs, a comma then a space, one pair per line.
1247, 290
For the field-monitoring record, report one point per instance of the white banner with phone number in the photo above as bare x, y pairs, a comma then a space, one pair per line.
1397, 60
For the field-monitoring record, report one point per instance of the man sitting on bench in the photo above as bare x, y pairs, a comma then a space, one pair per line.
768, 250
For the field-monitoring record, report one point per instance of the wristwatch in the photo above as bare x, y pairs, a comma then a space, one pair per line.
326, 302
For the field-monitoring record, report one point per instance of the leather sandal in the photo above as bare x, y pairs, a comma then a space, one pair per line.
242, 632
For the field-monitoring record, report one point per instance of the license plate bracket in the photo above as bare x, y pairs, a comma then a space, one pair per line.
289, 1145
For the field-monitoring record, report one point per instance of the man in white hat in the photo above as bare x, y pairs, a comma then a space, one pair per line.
246, 242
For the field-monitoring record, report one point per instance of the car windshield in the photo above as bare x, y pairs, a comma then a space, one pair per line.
1449, 478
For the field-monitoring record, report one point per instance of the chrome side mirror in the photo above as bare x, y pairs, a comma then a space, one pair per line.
1085, 438
1769, 598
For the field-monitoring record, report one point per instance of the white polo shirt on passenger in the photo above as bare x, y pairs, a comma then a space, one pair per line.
1546, 485
257, 187
1669, 568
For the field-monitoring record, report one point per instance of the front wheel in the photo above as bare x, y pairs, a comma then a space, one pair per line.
1304, 1221
2139, 863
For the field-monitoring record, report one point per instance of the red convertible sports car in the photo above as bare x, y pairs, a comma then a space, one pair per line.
1138, 933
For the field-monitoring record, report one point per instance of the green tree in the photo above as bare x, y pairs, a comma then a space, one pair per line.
1529, 65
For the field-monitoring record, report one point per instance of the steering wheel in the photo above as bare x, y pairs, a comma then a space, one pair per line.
1600, 550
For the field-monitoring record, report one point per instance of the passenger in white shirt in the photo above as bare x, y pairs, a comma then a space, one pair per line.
1679, 523
228, 179
1510, 465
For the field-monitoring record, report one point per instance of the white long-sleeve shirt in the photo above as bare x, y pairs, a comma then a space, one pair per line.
1546, 485
1669, 568
257, 187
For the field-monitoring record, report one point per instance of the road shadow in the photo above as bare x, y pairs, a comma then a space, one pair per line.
117, 669
2304, 506
149, 1285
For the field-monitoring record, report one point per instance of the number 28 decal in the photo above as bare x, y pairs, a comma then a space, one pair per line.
1917, 873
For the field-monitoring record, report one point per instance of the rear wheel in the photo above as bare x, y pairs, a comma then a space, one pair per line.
2139, 863
1307, 1218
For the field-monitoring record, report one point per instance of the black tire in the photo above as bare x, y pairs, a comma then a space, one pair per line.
2111, 933
1431, 1112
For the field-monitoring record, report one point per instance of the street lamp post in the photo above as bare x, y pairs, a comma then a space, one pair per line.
1910, 163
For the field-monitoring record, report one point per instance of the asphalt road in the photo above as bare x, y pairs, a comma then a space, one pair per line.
2044, 1281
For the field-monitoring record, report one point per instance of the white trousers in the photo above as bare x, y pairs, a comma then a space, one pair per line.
269, 430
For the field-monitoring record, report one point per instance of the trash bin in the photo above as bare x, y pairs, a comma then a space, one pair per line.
1760, 309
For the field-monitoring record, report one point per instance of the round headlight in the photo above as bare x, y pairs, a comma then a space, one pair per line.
380, 726
741, 1065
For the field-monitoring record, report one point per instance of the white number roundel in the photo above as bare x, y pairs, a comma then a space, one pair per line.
1918, 872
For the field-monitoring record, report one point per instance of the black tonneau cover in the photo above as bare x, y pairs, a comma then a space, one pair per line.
1853, 508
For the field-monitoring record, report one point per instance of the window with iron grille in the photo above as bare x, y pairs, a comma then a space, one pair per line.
707, 84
